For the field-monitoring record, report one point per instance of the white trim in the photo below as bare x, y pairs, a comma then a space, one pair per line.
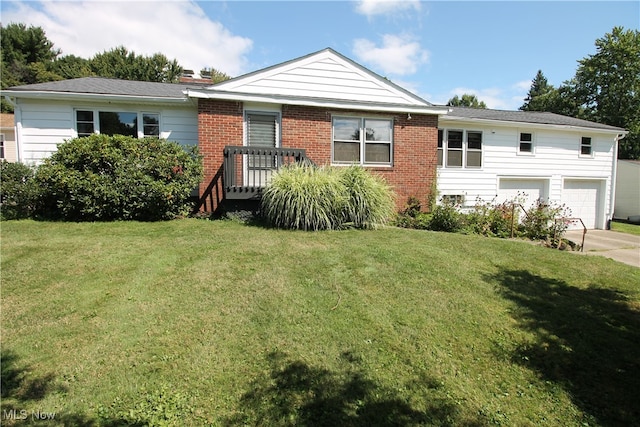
50, 95
317, 102
519, 124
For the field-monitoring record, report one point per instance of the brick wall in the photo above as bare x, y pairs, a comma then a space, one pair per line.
219, 125
415, 145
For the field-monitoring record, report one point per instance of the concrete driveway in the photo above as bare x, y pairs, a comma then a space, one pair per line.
611, 244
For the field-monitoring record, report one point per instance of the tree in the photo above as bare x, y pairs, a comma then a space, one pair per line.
605, 89
607, 85
120, 63
540, 88
213, 74
466, 100
26, 45
25, 53
71, 67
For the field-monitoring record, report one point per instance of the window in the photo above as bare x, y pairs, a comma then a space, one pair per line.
1, 145
262, 130
474, 149
120, 123
453, 199
459, 148
366, 141
526, 143
585, 146
454, 148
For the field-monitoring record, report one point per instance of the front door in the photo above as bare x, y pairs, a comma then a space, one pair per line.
262, 133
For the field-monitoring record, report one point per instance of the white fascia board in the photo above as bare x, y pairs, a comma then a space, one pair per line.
508, 123
66, 96
319, 102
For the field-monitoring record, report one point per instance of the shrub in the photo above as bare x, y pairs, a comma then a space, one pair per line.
307, 197
18, 193
446, 217
106, 178
412, 215
370, 200
543, 221
490, 219
304, 197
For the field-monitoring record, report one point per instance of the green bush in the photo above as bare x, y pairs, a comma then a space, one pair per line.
543, 221
446, 217
18, 193
490, 219
412, 216
107, 178
307, 197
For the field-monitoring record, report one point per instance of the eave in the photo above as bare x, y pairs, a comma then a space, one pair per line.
92, 97
317, 102
530, 125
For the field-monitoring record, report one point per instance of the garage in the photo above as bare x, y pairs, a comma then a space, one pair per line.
527, 190
582, 197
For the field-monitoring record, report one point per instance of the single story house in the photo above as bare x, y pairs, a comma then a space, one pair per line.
627, 203
7, 138
331, 110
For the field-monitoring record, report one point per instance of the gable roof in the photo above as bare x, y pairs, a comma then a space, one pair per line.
324, 78
104, 88
526, 118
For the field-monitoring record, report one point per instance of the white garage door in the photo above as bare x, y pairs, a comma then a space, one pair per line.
582, 198
527, 190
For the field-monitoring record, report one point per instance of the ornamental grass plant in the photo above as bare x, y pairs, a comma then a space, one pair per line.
308, 197
304, 197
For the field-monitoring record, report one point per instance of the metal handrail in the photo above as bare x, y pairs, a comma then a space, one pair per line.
564, 219
250, 172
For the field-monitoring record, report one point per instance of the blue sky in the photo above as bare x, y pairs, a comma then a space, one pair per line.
434, 49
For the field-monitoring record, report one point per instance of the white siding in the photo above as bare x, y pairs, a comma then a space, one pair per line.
556, 157
42, 125
627, 189
323, 75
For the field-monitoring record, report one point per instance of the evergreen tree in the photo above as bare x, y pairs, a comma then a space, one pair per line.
540, 88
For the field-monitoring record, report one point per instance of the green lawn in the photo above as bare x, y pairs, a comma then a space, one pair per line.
626, 228
219, 323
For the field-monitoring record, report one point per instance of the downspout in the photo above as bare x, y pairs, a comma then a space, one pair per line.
614, 173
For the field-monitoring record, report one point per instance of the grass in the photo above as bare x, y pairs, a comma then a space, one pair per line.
624, 227
198, 322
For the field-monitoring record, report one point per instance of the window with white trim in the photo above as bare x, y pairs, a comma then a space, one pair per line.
362, 140
117, 123
262, 129
459, 148
525, 145
1, 145
586, 149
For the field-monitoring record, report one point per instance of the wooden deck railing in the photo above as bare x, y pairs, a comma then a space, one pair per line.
247, 170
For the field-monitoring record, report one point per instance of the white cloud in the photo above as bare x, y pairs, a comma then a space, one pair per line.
371, 8
503, 98
178, 29
398, 55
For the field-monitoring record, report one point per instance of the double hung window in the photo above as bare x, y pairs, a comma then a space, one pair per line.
364, 141
459, 148
525, 144
585, 146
